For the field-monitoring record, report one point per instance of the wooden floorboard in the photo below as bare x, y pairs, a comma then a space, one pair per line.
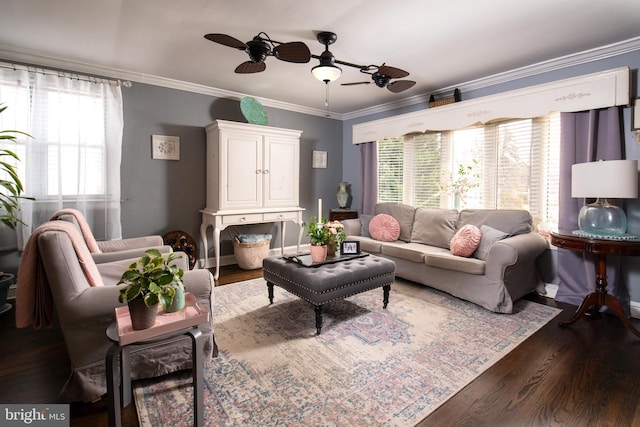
586, 374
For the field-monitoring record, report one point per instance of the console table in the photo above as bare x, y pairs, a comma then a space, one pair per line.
601, 248
222, 219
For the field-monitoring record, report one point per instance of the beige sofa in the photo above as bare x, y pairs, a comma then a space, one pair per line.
503, 273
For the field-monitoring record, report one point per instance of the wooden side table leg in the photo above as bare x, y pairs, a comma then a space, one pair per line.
613, 303
113, 385
198, 372
588, 302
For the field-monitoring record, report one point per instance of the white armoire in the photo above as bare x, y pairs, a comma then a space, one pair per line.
253, 175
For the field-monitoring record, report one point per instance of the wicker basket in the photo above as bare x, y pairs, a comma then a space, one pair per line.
250, 255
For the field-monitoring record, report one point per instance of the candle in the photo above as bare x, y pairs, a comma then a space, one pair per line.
319, 210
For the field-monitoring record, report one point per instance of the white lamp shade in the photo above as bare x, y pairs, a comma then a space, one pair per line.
615, 179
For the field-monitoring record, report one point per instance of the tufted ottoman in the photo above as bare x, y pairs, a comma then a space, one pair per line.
329, 282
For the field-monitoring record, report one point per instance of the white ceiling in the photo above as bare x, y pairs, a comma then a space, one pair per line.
440, 43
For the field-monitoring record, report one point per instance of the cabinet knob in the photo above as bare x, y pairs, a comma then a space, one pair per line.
266, 171
258, 171
243, 219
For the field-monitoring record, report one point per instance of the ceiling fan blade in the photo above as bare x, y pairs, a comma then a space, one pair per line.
293, 52
226, 40
400, 85
355, 83
392, 72
250, 67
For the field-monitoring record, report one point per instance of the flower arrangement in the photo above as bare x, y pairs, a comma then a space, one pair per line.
336, 232
317, 231
460, 184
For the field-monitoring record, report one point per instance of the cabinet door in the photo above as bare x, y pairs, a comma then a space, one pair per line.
282, 171
241, 172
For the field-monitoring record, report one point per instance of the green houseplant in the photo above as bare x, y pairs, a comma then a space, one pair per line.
149, 281
319, 236
11, 187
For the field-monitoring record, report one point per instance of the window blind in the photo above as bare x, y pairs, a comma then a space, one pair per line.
510, 164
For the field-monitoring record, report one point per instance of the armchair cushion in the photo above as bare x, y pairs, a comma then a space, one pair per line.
34, 305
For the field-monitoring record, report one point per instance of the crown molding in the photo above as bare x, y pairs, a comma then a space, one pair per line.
33, 58
603, 52
578, 58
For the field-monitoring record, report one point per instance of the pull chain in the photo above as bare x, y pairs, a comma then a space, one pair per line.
326, 98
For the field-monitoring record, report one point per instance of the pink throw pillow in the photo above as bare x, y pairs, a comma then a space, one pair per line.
465, 241
385, 228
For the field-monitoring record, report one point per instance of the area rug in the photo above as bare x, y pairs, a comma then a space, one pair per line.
369, 366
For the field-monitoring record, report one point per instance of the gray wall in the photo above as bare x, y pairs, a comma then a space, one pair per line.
164, 195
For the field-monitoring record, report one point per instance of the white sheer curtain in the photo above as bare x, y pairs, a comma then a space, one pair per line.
73, 160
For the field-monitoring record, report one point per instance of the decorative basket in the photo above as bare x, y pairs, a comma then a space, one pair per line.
249, 255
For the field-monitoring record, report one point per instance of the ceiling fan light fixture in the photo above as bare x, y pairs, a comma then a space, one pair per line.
326, 73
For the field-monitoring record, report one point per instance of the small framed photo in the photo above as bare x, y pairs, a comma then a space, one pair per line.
165, 147
636, 115
350, 248
319, 160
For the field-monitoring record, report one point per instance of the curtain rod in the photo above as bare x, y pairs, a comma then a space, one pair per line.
73, 76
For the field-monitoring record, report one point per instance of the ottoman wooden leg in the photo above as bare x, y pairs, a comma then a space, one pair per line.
385, 295
318, 311
270, 288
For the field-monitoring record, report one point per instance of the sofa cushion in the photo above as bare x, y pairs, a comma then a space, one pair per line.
364, 225
415, 252
449, 261
434, 227
466, 240
368, 244
403, 213
511, 221
490, 235
385, 228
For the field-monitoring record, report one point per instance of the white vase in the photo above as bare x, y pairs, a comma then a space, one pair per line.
343, 194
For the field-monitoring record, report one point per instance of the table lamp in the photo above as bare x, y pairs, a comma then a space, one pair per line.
615, 179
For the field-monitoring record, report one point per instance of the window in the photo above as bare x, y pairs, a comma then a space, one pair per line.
510, 164
73, 159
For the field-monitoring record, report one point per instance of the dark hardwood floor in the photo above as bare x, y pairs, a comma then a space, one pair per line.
587, 374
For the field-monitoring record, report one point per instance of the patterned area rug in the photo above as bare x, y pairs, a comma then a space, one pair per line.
370, 366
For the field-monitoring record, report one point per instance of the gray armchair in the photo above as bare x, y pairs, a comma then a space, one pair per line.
84, 313
111, 250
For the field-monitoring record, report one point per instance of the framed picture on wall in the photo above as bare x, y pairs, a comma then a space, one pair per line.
319, 160
635, 120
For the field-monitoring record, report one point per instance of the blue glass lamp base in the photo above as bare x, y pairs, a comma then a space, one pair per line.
602, 218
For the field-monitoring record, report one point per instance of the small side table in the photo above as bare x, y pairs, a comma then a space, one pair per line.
119, 374
601, 248
342, 214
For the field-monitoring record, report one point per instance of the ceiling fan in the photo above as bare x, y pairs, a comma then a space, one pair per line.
259, 48
382, 76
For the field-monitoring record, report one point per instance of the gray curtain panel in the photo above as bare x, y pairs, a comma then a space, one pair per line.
368, 177
586, 136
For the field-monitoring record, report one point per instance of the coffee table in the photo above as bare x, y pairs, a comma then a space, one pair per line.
320, 284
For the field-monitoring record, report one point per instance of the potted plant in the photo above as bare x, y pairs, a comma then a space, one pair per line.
336, 236
149, 281
11, 189
319, 237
